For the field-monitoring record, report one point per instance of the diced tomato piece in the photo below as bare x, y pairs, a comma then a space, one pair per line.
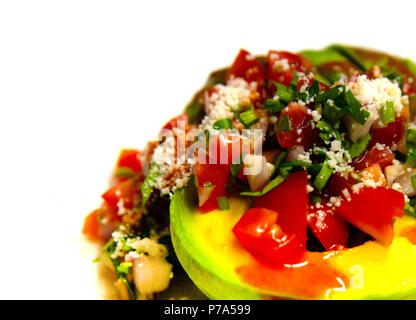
129, 158
100, 224
241, 176
253, 225
282, 64
247, 67
125, 191
328, 228
91, 226
373, 210
182, 120
384, 157
339, 183
301, 132
390, 134
408, 89
223, 149
305, 82
290, 200
215, 174
259, 234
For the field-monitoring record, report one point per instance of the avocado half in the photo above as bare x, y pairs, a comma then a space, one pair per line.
220, 267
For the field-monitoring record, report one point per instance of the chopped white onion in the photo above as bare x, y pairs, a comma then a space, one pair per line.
257, 170
405, 182
204, 193
151, 274
295, 152
393, 172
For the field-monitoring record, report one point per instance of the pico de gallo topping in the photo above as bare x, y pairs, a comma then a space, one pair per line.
325, 151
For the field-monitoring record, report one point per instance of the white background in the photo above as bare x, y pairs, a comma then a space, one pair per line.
79, 80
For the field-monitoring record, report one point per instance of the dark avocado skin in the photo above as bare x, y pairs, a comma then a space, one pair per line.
211, 277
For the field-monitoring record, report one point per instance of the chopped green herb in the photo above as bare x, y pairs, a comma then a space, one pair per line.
283, 92
345, 101
331, 94
124, 172
236, 168
109, 249
207, 184
314, 89
269, 187
411, 135
331, 112
315, 168
281, 156
327, 131
248, 118
125, 247
96, 260
323, 176
223, 203
411, 148
224, 123
359, 147
410, 209
387, 112
273, 106
149, 183
354, 108
296, 163
124, 267
315, 199
284, 124
285, 171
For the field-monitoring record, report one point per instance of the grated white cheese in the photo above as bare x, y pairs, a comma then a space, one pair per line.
338, 158
281, 65
335, 201
305, 156
226, 98
173, 172
375, 93
148, 246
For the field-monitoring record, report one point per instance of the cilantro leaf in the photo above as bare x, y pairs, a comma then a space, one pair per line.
360, 146
269, 187
149, 183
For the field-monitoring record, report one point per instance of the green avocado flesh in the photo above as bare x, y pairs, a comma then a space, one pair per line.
210, 254
222, 269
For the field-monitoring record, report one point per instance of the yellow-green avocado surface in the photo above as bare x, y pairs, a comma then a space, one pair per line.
210, 254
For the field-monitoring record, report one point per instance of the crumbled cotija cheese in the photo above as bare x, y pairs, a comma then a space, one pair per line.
373, 94
281, 65
141, 246
226, 98
173, 173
